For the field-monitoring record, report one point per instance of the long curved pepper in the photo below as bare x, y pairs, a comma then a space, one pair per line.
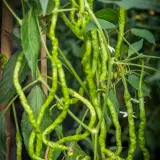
127, 99
91, 123
21, 94
142, 117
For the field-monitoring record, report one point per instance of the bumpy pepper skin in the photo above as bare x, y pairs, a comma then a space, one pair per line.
127, 99
142, 117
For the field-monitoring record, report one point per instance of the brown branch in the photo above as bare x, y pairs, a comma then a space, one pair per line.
44, 61
6, 48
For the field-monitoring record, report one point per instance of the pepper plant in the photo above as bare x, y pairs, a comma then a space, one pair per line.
105, 66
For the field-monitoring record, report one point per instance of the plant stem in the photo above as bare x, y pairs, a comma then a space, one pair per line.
42, 39
140, 56
142, 117
79, 121
137, 65
18, 135
121, 31
72, 70
23, 10
95, 146
13, 13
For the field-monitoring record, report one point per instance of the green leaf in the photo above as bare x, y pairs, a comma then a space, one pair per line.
114, 100
140, 4
30, 40
144, 34
154, 77
77, 152
123, 50
36, 99
50, 7
137, 46
107, 14
76, 49
59, 131
44, 5
103, 23
7, 89
56, 154
3, 149
134, 82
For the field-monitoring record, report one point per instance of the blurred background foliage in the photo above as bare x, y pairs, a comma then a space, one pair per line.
73, 49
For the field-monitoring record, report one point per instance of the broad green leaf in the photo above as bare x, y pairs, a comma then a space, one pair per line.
30, 40
140, 4
154, 77
114, 100
3, 149
135, 47
50, 7
77, 152
7, 89
59, 131
36, 99
108, 119
103, 23
134, 82
107, 14
56, 154
144, 34
76, 49
44, 5
123, 50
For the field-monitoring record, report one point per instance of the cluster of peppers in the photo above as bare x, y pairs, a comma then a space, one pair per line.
98, 64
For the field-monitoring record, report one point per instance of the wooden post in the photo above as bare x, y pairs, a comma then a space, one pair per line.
6, 48
44, 71
44, 61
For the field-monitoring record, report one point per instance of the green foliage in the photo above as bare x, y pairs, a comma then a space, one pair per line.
134, 81
107, 14
44, 5
30, 43
144, 34
140, 4
103, 23
7, 89
78, 153
135, 47
114, 100
3, 150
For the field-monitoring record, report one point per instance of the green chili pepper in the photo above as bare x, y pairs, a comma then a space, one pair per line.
75, 30
61, 75
117, 126
72, 12
21, 94
95, 45
90, 125
121, 31
142, 117
132, 134
104, 60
